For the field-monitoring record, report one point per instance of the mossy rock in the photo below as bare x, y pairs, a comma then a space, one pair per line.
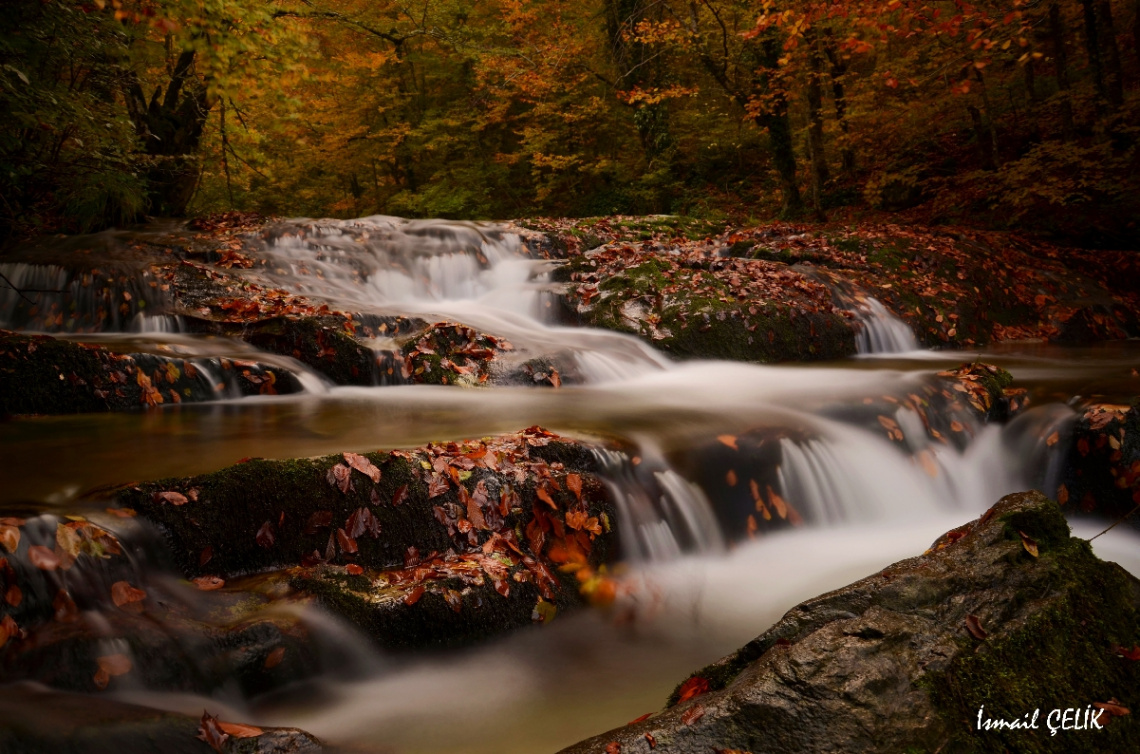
1005, 615
44, 375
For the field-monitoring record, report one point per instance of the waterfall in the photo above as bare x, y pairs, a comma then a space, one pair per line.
882, 332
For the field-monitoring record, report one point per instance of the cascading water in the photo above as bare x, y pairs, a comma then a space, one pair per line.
881, 331
703, 447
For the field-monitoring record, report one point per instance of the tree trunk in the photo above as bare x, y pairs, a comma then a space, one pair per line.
775, 119
837, 72
985, 146
171, 130
1113, 78
1061, 63
1092, 49
819, 172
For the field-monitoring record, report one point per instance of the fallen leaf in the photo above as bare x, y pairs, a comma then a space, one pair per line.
8, 629
401, 495
347, 543
643, 718
413, 596
237, 730
545, 497
649, 739
274, 658
353, 569
1028, 543
574, 484
318, 520
974, 626
1113, 707
729, 440
209, 583
174, 498
613, 747
693, 688
43, 558
205, 556
9, 537
1128, 654
340, 476
693, 714
111, 666
1053, 439
65, 608
211, 733
122, 594
364, 466
1062, 495
13, 596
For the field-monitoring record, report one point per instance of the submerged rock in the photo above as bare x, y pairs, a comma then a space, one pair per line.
34, 720
1002, 617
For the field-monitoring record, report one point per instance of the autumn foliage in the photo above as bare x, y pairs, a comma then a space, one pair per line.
995, 112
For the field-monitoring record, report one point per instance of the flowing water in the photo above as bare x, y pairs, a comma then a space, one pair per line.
696, 585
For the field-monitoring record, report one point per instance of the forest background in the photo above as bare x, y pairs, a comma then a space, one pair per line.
1009, 114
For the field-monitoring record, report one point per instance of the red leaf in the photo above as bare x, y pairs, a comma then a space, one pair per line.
693, 688
574, 484
14, 596
205, 556
354, 569
65, 608
122, 594
237, 730
545, 497
693, 714
340, 476
974, 626
643, 718
43, 558
613, 747
413, 596
317, 521
211, 733
274, 658
401, 495
347, 543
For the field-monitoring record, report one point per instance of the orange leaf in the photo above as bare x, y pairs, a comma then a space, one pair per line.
693, 688
122, 593
729, 440
237, 730
545, 497
174, 498
274, 658
43, 558
574, 484
209, 583
9, 537
974, 626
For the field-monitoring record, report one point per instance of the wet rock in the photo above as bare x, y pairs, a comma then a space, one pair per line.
906, 659
441, 544
34, 720
44, 375
1102, 463
691, 305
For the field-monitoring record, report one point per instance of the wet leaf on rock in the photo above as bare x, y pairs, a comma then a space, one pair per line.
66, 611
974, 626
174, 498
1128, 654
1028, 543
274, 658
347, 543
613, 747
13, 595
413, 596
124, 595
693, 714
353, 569
363, 465
693, 688
8, 629
111, 666
209, 583
238, 730
9, 537
401, 495
1113, 707
211, 733
340, 476
43, 558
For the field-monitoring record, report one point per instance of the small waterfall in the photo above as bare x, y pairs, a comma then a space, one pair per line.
48, 298
881, 331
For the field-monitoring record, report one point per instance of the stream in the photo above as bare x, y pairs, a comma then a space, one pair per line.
695, 586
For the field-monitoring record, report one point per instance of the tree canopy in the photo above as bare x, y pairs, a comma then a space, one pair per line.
997, 112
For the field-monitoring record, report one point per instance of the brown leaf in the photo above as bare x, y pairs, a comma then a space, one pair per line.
649, 739
545, 497
362, 521
205, 556
340, 476
613, 747
111, 666
574, 484
274, 658
364, 466
347, 543
238, 730
13, 596
974, 626
174, 498
9, 537
729, 440
401, 495
1028, 543
8, 629
318, 520
65, 608
1113, 707
353, 569
209, 583
122, 593
265, 536
641, 719
413, 596
211, 733
693, 714
1062, 495
43, 558
1053, 439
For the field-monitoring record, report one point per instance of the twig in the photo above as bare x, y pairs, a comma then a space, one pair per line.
1118, 521
22, 291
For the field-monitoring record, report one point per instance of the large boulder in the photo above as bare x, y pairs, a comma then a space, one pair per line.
1007, 618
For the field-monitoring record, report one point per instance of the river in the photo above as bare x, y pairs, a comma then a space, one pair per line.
696, 586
